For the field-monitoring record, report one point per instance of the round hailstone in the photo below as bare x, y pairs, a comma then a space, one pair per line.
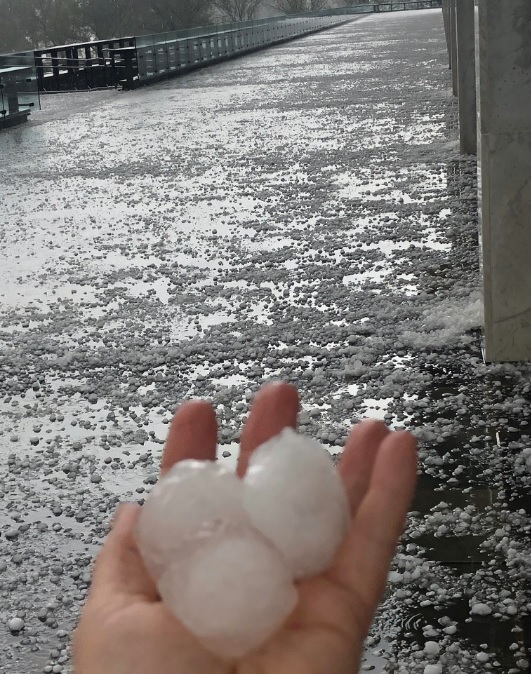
295, 497
431, 648
16, 624
433, 669
193, 497
232, 590
480, 609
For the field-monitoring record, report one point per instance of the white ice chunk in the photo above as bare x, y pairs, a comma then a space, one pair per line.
295, 497
480, 609
192, 497
232, 590
433, 669
431, 648
224, 552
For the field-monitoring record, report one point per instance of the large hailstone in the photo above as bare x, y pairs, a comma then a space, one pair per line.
192, 498
296, 499
232, 590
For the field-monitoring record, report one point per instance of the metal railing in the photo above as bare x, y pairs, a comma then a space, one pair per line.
19, 92
133, 61
87, 65
158, 56
386, 7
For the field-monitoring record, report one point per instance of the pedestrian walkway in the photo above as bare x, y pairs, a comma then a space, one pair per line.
301, 213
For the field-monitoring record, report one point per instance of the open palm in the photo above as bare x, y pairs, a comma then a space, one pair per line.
125, 628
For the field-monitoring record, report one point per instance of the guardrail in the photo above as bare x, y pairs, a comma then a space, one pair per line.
386, 7
134, 61
159, 56
18, 88
73, 67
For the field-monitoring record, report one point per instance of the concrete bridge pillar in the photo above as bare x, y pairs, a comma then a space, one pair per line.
504, 149
466, 75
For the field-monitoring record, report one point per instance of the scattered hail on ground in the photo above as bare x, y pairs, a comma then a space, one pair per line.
303, 214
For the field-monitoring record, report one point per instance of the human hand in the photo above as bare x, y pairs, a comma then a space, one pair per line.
126, 629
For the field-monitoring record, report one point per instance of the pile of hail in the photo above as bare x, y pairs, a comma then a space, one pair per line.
225, 553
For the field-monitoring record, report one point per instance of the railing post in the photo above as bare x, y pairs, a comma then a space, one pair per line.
69, 57
178, 62
40, 70
11, 94
154, 59
87, 67
114, 70
191, 51
101, 79
55, 68
128, 57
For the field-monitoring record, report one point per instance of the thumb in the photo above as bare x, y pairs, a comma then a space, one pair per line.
119, 570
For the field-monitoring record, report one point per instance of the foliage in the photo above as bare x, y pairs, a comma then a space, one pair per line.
111, 18
237, 10
298, 6
30, 24
165, 15
317, 4
14, 21
289, 6
27, 24
55, 22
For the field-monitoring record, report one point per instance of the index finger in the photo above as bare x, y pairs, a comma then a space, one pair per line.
193, 435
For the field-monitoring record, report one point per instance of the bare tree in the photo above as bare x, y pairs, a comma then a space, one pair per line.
289, 6
237, 10
351, 3
55, 22
315, 5
164, 15
110, 18
15, 18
